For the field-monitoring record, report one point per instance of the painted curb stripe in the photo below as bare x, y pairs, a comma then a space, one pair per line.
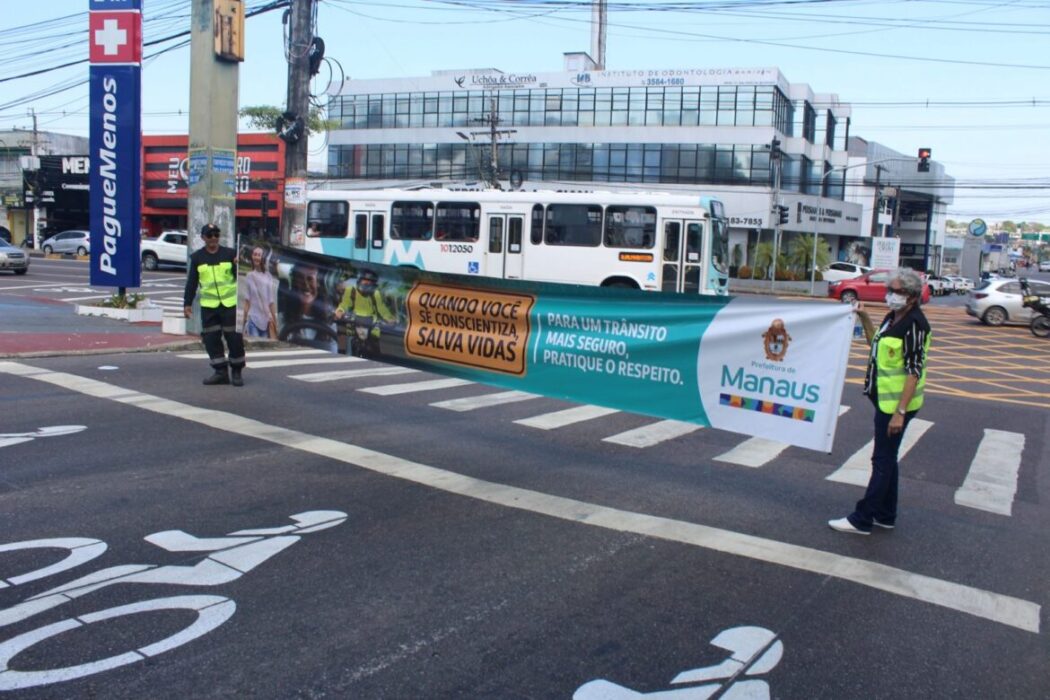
996, 607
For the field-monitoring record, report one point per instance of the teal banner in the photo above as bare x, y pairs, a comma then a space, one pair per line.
674, 356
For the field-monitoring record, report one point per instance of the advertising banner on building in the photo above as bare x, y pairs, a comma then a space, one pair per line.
771, 368
885, 253
115, 77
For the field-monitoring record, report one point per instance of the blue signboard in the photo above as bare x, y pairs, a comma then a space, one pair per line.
115, 49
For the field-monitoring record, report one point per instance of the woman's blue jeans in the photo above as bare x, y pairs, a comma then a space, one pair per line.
880, 498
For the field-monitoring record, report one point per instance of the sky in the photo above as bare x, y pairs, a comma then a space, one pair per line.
968, 78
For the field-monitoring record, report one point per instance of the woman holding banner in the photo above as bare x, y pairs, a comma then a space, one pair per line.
894, 381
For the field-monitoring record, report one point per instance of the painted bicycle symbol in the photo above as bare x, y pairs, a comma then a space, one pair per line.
753, 651
230, 558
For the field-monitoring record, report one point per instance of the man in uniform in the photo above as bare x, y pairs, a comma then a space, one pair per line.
213, 269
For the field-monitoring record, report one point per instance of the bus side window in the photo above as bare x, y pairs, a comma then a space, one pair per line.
495, 234
361, 231
377, 230
536, 232
411, 221
574, 225
458, 221
630, 227
514, 235
327, 219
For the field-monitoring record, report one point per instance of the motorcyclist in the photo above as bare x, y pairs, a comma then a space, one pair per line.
366, 310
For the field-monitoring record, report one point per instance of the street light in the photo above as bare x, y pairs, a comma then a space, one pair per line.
816, 215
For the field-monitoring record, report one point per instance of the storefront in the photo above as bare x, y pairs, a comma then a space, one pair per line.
259, 186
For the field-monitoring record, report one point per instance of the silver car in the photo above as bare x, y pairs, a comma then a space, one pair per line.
13, 258
998, 301
78, 242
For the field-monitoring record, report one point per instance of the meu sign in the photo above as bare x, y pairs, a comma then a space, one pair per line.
115, 50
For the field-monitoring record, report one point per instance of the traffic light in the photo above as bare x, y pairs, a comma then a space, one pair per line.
924, 160
782, 212
774, 149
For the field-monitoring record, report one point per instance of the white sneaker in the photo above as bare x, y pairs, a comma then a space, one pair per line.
844, 525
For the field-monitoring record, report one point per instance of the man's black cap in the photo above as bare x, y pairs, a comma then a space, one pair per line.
209, 228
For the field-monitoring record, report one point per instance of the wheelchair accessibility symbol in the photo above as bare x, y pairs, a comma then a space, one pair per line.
473, 267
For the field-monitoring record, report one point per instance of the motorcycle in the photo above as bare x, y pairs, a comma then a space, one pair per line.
1040, 324
363, 342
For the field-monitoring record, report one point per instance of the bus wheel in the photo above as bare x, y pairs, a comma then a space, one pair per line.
619, 284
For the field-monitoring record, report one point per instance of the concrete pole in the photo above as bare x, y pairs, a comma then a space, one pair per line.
212, 155
293, 222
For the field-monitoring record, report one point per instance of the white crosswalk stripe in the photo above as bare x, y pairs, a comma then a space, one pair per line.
472, 403
413, 387
569, 416
756, 452
384, 371
857, 469
653, 434
990, 484
991, 481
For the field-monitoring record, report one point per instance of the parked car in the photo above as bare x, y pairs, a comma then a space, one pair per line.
13, 258
1044, 266
961, 284
871, 286
169, 248
998, 301
78, 242
939, 286
837, 271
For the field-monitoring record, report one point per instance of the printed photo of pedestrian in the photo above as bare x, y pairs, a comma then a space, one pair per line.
260, 296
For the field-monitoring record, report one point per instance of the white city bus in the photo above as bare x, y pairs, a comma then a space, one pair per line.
644, 240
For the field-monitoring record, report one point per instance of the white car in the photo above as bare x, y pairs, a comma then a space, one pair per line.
169, 248
838, 271
962, 284
939, 286
1044, 266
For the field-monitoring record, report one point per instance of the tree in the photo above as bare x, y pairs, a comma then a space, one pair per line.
265, 117
763, 259
1007, 226
800, 253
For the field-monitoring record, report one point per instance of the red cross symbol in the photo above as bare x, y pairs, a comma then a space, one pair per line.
115, 37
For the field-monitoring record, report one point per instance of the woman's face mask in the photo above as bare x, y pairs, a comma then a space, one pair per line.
896, 301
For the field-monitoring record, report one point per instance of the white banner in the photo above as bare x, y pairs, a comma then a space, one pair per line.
776, 369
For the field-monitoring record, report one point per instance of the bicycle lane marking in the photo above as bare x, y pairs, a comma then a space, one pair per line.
996, 607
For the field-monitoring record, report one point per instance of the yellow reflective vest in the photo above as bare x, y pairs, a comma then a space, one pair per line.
890, 374
214, 277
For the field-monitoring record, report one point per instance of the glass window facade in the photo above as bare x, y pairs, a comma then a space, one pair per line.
683, 163
722, 105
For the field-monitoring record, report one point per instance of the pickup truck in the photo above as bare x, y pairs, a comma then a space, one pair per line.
169, 248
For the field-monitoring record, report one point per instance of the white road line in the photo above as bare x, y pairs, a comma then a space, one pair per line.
260, 353
653, 434
757, 452
412, 387
991, 482
1007, 610
559, 419
315, 377
471, 403
857, 469
299, 361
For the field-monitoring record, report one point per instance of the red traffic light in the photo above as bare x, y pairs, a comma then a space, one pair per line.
925, 153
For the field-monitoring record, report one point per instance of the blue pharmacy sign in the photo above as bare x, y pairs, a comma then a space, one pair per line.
115, 50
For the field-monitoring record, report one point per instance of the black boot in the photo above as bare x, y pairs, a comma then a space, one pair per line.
236, 372
221, 376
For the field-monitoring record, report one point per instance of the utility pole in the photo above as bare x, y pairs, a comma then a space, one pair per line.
294, 127
877, 209
212, 153
34, 213
774, 157
494, 134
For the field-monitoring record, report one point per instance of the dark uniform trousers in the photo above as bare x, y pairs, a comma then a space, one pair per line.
216, 324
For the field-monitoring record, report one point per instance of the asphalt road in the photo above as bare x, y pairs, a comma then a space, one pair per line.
483, 557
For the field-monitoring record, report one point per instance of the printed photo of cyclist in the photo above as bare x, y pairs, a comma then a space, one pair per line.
364, 313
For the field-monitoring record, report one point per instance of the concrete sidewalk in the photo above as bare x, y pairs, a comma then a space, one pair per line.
38, 327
